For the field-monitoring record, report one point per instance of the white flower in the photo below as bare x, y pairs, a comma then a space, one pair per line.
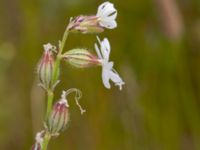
107, 15
108, 73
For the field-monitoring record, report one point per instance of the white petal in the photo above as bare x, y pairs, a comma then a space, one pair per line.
109, 24
111, 16
108, 73
114, 76
108, 65
105, 49
104, 7
107, 44
107, 14
106, 77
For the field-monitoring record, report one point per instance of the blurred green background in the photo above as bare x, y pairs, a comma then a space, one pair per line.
156, 50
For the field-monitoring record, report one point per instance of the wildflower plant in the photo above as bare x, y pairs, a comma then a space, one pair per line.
57, 114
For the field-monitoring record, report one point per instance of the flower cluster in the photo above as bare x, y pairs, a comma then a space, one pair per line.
57, 115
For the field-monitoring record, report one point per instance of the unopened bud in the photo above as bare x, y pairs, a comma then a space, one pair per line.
45, 67
81, 58
85, 24
58, 117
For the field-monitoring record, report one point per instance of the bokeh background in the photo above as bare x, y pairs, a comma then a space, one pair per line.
156, 50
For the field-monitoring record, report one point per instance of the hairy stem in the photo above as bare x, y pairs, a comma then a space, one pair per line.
59, 56
50, 92
62, 44
55, 75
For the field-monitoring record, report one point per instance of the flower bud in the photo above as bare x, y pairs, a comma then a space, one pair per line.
81, 58
85, 25
45, 67
58, 117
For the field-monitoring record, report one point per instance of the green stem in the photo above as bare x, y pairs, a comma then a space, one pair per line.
62, 44
50, 96
50, 93
46, 141
59, 57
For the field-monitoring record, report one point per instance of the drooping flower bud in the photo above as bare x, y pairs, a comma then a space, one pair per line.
81, 58
85, 25
45, 67
58, 117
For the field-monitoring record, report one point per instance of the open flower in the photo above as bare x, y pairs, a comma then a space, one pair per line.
108, 73
107, 15
105, 18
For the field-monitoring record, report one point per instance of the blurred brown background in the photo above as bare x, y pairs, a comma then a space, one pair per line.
156, 50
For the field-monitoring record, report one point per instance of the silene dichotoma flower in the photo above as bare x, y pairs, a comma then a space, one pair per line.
105, 18
108, 73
